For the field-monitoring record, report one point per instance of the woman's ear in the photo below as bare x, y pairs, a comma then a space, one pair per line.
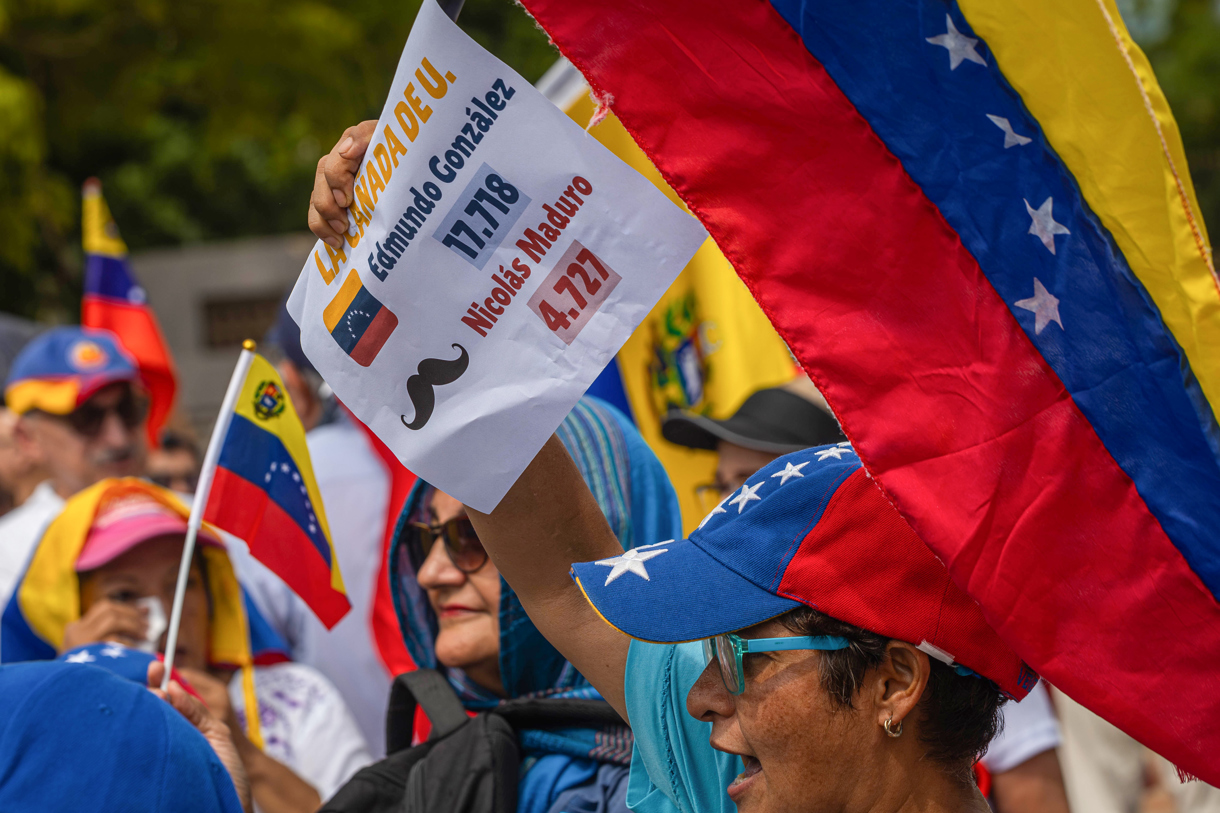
898, 683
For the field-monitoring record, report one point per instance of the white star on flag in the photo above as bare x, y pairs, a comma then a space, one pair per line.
789, 472
114, 651
632, 560
1044, 305
1044, 226
719, 509
960, 46
835, 451
653, 545
1011, 139
80, 657
747, 493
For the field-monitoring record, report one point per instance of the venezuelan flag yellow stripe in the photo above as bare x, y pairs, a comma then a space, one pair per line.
338, 306
1093, 91
287, 427
99, 234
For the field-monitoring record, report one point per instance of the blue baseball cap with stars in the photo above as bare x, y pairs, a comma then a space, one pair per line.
810, 529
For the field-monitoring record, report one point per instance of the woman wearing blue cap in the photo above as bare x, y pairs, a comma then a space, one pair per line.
830, 663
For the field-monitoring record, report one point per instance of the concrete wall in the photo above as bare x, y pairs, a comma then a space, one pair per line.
210, 297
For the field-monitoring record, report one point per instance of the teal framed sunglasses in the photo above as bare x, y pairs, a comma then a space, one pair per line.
728, 650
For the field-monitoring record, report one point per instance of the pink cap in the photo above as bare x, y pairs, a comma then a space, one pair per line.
127, 521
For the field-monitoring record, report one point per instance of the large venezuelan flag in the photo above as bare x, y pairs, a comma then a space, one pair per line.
972, 222
114, 301
706, 346
265, 494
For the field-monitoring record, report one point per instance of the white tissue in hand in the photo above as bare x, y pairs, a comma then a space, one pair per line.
154, 614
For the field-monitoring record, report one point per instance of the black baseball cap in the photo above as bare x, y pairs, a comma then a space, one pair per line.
773, 420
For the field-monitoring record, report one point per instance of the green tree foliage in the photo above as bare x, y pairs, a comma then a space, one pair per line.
203, 118
1182, 40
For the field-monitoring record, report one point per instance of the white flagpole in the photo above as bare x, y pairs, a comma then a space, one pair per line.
206, 475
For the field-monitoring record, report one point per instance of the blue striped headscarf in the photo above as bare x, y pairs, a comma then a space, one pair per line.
639, 503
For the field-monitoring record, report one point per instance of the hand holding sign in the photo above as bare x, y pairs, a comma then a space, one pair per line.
334, 181
495, 259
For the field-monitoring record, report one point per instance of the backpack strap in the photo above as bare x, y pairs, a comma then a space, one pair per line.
549, 712
430, 690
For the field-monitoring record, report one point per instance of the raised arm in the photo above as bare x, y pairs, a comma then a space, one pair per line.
547, 521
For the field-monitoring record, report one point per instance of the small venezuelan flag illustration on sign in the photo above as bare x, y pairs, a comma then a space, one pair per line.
359, 323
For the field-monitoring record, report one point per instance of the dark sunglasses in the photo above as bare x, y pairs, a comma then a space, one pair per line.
87, 419
461, 542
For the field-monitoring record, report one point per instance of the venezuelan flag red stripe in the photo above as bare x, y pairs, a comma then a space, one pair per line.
384, 619
248, 512
112, 301
948, 401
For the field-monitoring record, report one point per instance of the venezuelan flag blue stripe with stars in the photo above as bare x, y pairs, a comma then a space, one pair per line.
265, 494
260, 458
934, 94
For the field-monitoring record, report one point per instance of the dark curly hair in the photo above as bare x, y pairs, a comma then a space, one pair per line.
959, 714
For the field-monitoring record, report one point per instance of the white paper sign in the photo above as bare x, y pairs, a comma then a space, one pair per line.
497, 259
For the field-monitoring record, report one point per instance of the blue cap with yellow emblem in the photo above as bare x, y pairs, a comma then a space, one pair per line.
809, 529
58, 370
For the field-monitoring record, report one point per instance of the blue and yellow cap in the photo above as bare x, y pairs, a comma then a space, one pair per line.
58, 370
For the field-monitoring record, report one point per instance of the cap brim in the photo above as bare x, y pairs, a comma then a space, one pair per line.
90, 384
687, 595
699, 432
109, 547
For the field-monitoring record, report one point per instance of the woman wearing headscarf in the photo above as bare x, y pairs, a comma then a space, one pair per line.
458, 615
106, 570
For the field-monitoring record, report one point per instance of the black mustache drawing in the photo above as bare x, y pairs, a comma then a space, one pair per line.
432, 373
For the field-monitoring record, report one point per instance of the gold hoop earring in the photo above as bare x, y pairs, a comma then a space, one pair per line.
892, 730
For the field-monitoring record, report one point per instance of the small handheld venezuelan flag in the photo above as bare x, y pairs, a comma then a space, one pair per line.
257, 483
263, 489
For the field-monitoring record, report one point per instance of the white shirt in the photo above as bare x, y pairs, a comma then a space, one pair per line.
20, 530
355, 491
304, 724
1030, 727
